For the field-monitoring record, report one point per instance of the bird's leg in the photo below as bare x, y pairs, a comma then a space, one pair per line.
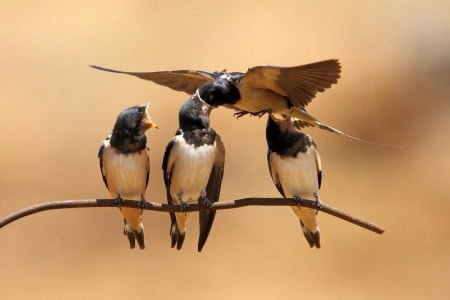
317, 202
142, 203
118, 201
299, 200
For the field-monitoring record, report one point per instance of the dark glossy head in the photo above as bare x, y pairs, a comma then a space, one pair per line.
128, 134
219, 92
283, 138
194, 114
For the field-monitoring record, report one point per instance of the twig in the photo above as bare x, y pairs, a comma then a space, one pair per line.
192, 207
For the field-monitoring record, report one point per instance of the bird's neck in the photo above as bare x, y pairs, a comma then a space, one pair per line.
128, 144
193, 121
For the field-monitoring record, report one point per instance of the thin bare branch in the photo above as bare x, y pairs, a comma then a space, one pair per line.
193, 207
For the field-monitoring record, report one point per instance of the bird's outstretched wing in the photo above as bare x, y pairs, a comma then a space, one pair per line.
206, 217
181, 80
299, 84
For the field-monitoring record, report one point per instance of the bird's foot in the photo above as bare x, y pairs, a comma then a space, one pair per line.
184, 206
317, 202
261, 113
240, 114
258, 114
118, 202
206, 202
299, 201
142, 203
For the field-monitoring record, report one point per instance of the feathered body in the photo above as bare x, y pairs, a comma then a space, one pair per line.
193, 168
124, 163
295, 167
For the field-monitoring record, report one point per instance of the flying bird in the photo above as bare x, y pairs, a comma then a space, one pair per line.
124, 164
296, 171
262, 89
193, 168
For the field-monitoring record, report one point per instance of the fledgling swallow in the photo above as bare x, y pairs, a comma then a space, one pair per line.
125, 168
262, 89
296, 171
193, 168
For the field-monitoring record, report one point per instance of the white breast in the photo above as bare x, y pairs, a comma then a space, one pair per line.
297, 175
126, 174
191, 170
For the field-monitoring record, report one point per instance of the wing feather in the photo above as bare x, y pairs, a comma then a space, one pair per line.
148, 171
206, 218
101, 151
300, 84
180, 80
167, 168
318, 166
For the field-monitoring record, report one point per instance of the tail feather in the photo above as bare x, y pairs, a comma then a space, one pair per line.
176, 237
131, 238
139, 235
180, 239
304, 119
134, 234
313, 238
173, 232
307, 120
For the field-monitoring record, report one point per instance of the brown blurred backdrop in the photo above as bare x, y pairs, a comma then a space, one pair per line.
55, 111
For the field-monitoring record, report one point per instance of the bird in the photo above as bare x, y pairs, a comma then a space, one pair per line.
193, 166
261, 90
296, 170
124, 164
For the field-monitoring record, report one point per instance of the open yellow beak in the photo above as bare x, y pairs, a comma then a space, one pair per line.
148, 123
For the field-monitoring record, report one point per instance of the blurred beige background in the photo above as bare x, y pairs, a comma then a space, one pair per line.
55, 111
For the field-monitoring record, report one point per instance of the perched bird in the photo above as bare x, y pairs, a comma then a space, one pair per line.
193, 168
295, 167
262, 89
124, 164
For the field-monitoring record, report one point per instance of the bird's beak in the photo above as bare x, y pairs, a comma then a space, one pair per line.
147, 121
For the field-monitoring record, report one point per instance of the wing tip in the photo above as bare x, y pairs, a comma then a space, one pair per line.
96, 67
206, 222
105, 69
